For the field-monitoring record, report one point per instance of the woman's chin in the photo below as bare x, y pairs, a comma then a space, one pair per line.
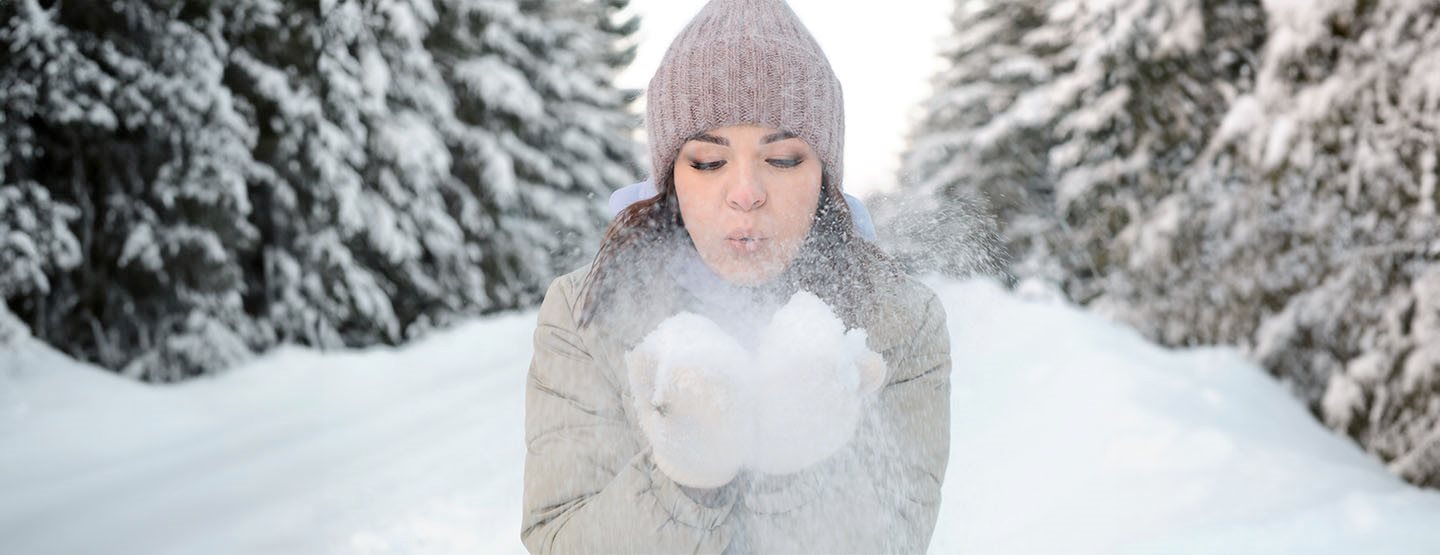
751, 273
747, 267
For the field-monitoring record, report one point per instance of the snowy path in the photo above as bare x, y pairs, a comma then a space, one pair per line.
1070, 435
300, 453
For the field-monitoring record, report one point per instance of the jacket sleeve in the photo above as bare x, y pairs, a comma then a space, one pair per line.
881, 494
590, 483
913, 428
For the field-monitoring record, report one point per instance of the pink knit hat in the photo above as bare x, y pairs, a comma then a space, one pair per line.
745, 61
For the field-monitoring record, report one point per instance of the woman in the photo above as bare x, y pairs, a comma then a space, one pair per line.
842, 443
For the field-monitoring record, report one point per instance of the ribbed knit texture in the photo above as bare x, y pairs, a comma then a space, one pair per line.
739, 62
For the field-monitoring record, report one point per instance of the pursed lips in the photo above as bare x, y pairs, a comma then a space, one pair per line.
745, 235
746, 240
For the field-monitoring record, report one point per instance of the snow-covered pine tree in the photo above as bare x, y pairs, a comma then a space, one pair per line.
619, 26
35, 242
359, 243
1266, 179
117, 111
378, 219
35, 238
246, 173
1074, 119
984, 169
541, 134
1140, 91
1320, 243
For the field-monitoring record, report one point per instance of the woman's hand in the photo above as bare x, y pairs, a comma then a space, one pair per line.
709, 407
689, 401
811, 382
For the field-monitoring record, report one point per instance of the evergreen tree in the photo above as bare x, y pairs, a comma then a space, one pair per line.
964, 151
359, 242
539, 133
1215, 173
1072, 120
1319, 239
1147, 84
119, 114
35, 243
335, 173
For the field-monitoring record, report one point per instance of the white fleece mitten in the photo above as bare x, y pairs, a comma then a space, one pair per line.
810, 382
689, 402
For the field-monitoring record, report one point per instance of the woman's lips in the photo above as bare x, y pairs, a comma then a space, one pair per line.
745, 245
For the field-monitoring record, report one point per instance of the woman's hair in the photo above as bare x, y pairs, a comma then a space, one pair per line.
834, 262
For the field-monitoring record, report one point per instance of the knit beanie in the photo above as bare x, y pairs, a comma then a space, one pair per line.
745, 62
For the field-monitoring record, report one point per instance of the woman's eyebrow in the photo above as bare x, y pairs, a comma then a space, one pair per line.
777, 137
722, 141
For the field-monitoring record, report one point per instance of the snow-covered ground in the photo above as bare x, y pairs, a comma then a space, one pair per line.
1071, 435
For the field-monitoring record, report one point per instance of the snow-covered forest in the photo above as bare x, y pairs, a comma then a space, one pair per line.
1256, 173
187, 184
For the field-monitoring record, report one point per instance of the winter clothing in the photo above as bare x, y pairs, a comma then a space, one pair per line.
694, 410
812, 379
621, 413
636, 192
592, 484
745, 61
709, 405
625, 196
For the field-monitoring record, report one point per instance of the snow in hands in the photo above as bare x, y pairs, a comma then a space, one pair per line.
711, 406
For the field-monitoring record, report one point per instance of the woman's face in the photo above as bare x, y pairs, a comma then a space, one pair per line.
748, 195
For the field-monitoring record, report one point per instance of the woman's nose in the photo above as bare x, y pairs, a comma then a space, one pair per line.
746, 193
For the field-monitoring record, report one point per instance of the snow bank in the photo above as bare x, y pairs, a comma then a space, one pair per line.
381, 451
1071, 435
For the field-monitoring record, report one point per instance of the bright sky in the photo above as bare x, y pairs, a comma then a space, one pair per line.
884, 54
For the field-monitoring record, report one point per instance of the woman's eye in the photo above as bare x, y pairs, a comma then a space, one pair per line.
785, 162
707, 166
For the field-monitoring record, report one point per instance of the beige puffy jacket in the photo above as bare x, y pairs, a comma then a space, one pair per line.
591, 487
